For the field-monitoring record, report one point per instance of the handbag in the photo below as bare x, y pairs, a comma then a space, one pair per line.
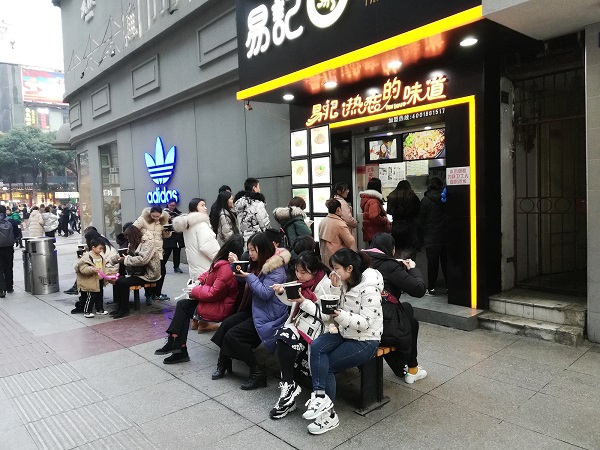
310, 327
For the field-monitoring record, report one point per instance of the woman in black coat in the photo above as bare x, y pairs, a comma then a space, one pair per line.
398, 277
403, 205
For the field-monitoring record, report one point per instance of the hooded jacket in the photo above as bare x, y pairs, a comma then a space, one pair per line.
88, 279
200, 241
153, 230
268, 313
147, 256
217, 293
252, 216
361, 316
333, 235
374, 216
291, 219
397, 278
36, 223
50, 221
432, 219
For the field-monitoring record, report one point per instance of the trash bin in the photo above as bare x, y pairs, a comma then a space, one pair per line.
27, 265
44, 265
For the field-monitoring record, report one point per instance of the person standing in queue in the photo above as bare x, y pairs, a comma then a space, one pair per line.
334, 233
173, 243
374, 216
340, 193
251, 209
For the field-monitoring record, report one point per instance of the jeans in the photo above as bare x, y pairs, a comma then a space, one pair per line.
330, 353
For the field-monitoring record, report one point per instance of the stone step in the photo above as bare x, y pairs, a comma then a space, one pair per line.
436, 310
541, 306
563, 334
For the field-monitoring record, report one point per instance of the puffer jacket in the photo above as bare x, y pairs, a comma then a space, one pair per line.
432, 219
50, 221
292, 220
36, 224
217, 293
397, 278
361, 316
145, 256
374, 216
200, 242
227, 227
252, 216
268, 312
88, 279
153, 230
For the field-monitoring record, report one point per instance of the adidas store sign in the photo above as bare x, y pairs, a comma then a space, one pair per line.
160, 167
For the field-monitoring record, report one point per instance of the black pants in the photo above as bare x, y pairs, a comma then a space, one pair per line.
121, 291
180, 324
93, 299
50, 233
394, 359
64, 227
436, 254
176, 257
237, 338
156, 291
6, 268
287, 358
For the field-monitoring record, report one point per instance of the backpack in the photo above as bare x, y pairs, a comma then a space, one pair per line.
7, 233
397, 331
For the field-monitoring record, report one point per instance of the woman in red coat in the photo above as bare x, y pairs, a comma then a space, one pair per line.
213, 296
374, 216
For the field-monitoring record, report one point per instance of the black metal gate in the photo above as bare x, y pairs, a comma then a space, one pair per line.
550, 182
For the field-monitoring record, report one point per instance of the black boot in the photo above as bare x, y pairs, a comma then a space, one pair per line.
223, 365
175, 358
258, 378
172, 346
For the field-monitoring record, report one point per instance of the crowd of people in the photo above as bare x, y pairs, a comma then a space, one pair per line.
241, 271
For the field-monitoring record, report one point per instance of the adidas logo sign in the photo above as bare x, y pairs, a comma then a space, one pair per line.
161, 166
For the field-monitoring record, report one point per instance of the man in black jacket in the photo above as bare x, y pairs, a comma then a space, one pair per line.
7, 251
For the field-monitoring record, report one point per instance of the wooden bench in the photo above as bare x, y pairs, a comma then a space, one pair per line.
371, 383
136, 293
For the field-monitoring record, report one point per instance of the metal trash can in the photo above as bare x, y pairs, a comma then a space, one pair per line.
27, 265
44, 265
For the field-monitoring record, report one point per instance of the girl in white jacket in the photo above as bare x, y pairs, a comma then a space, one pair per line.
360, 321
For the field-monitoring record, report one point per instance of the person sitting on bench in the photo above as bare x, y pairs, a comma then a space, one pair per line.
360, 322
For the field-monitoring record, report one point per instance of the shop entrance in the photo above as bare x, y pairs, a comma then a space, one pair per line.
550, 182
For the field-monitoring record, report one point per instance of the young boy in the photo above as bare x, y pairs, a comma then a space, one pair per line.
88, 281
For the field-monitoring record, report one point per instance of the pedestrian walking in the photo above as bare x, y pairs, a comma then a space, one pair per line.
8, 230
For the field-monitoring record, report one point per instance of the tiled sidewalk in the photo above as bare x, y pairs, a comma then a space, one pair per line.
70, 382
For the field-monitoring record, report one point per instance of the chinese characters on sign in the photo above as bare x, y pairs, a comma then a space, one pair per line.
393, 97
458, 176
261, 31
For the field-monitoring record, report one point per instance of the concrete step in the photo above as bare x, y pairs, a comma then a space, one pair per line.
541, 306
553, 332
436, 310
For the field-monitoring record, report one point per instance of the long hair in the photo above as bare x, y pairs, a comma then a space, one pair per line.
358, 260
401, 200
221, 206
310, 262
374, 184
134, 237
384, 242
235, 244
193, 204
265, 249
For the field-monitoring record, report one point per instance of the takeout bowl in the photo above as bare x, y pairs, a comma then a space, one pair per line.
238, 266
292, 291
329, 303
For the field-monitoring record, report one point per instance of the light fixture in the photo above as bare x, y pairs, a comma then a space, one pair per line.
248, 106
428, 127
389, 133
288, 97
372, 91
330, 84
394, 65
468, 41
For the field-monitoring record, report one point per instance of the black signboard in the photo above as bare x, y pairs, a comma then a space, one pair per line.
278, 37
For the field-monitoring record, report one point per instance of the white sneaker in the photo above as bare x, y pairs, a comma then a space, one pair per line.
88, 315
324, 422
102, 313
316, 406
410, 378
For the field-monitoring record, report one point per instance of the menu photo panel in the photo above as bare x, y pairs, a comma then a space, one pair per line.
300, 172
321, 170
319, 140
320, 195
304, 194
299, 143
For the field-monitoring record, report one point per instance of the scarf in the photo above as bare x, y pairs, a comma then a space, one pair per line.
308, 288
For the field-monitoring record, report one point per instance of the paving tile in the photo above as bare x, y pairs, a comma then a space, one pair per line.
130, 439
427, 423
453, 356
202, 381
17, 439
577, 387
183, 429
9, 416
253, 434
80, 343
507, 436
561, 419
542, 352
129, 379
200, 358
437, 374
106, 362
37, 380
588, 363
487, 396
516, 371
157, 400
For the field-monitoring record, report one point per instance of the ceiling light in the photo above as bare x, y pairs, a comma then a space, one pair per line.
428, 127
288, 97
467, 42
372, 91
394, 65
330, 84
389, 133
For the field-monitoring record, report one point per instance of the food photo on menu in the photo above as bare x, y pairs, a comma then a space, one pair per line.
427, 144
